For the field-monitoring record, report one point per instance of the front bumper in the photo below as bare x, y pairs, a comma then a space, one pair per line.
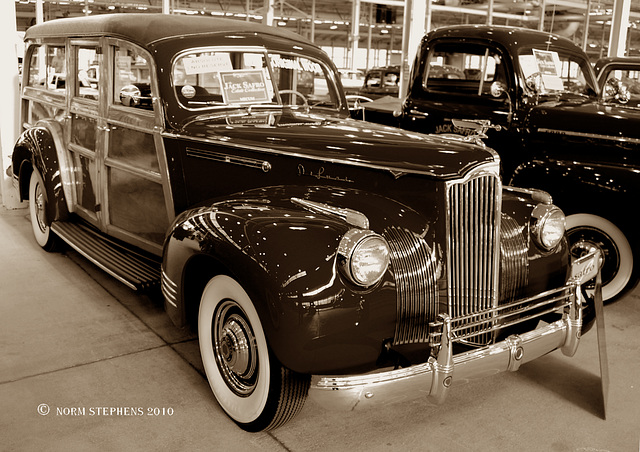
435, 377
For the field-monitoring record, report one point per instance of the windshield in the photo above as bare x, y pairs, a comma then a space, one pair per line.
552, 72
215, 78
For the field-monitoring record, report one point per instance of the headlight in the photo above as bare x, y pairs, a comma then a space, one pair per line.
548, 225
363, 256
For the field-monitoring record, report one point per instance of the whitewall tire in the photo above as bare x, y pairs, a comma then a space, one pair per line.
38, 213
251, 386
617, 269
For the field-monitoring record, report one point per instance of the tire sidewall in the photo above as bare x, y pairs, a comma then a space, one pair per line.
624, 276
243, 410
42, 236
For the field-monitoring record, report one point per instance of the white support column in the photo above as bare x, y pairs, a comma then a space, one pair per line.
269, 12
619, 28
313, 21
9, 88
355, 33
166, 7
415, 15
39, 12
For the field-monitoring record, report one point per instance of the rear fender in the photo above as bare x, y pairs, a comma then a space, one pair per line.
42, 148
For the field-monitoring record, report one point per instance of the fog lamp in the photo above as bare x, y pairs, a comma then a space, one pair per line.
363, 257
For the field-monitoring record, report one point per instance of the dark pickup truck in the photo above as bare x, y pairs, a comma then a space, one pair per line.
542, 110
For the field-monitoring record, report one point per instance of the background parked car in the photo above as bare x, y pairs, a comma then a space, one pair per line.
381, 81
550, 125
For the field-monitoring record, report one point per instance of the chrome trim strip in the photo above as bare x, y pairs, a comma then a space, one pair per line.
169, 289
590, 135
228, 158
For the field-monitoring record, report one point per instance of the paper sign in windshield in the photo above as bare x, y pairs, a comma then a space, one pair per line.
207, 63
549, 67
239, 87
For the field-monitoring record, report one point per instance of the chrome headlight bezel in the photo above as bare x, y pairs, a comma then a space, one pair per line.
548, 226
357, 247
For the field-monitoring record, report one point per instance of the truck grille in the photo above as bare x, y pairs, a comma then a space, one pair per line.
473, 247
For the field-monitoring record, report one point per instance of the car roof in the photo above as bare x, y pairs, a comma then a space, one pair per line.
147, 29
510, 37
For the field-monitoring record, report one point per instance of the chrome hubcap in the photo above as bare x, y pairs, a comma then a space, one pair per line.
584, 240
39, 206
235, 348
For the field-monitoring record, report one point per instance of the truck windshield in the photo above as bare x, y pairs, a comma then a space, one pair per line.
212, 78
552, 72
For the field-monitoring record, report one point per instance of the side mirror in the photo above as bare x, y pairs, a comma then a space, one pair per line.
534, 82
614, 89
498, 89
130, 96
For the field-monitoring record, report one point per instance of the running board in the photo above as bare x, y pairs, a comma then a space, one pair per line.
138, 271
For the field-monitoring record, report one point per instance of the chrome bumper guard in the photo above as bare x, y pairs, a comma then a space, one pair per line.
435, 377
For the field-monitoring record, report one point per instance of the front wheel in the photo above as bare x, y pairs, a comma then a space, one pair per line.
586, 231
38, 214
251, 386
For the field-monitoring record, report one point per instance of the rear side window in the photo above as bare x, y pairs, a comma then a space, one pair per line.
48, 68
464, 69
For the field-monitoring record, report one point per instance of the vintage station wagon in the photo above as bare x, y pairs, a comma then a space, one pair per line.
217, 159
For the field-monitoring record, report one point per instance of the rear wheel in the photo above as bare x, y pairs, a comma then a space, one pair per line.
586, 231
38, 214
252, 387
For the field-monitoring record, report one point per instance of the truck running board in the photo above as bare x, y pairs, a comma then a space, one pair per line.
131, 267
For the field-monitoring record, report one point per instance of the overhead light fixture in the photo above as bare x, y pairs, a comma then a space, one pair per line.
333, 27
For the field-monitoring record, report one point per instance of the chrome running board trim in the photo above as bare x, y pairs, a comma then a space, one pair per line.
135, 270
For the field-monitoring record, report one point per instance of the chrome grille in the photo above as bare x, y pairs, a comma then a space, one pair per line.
416, 272
473, 248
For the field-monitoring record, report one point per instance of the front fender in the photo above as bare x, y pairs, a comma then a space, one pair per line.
606, 190
285, 258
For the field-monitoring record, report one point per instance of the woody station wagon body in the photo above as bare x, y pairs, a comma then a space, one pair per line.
217, 158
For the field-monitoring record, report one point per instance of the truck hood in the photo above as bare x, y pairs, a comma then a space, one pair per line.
340, 140
587, 117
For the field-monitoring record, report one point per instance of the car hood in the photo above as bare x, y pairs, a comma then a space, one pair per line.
341, 140
587, 117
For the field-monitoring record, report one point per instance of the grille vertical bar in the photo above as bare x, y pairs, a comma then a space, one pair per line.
473, 247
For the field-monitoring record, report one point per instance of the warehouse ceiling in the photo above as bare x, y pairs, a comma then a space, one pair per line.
380, 22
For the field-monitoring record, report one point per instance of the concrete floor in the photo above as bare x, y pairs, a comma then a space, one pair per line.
83, 344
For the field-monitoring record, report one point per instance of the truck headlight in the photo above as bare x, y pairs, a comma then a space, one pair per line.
363, 257
548, 225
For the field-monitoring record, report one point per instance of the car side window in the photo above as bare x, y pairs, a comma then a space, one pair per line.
88, 73
464, 69
131, 78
